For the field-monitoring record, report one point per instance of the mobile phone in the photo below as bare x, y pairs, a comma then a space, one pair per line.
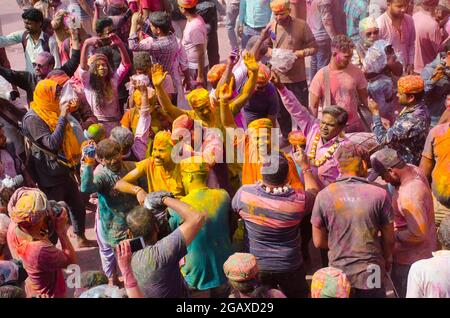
137, 244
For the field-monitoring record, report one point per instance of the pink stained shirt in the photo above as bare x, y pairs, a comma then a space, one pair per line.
108, 112
343, 86
415, 230
309, 125
194, 33
428, 40
403, 42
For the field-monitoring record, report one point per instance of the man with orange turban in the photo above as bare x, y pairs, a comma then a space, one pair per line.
408, 133
159, 169
55, 152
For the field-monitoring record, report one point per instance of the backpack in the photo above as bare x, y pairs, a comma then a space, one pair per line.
45, 44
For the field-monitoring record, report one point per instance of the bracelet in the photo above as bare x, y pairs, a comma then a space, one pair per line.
307, 170
137, 189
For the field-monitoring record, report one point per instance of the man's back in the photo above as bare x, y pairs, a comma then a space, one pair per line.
156, 268
353, 211
272, 225
428, 39
212, 246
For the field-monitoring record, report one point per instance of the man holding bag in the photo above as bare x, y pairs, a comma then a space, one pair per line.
288, 33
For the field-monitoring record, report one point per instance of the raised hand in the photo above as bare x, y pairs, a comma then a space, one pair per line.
226, 90
115, 40
158, 74
373, 107
154, 200
250, 62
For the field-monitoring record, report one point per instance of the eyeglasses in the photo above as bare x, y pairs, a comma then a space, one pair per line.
372, 33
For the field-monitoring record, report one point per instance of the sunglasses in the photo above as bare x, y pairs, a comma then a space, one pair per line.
372, 33
39, 65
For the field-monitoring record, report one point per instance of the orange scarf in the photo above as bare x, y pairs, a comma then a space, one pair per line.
46, 105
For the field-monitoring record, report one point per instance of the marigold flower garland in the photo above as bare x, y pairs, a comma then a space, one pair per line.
328, 155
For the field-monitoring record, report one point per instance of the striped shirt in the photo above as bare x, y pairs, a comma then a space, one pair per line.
272, 225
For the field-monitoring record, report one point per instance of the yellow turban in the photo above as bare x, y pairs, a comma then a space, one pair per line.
280, 5
28, 206
198, 97
194, 164
410, 84
260, 123
163, 138
216, 72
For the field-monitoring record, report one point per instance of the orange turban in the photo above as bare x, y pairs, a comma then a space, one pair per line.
46, 105
410, 84
28, 206
280, 5
58, 76
216, 72
263, 74
187, 3
198, 97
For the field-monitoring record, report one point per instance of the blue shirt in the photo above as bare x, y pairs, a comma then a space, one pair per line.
408, 133
255, 13
355, 11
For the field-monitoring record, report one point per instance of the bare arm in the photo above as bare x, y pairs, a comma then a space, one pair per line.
249, 86
128, 184
327, 19
320, 237
387, 243
314, 104
427, 166
158, 77
193, 219
200, 49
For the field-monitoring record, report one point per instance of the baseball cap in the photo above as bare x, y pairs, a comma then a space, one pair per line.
382, 160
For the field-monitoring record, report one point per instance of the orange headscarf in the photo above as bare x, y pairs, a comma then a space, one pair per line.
46, 105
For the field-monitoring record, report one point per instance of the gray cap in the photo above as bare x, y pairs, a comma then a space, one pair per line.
382, 160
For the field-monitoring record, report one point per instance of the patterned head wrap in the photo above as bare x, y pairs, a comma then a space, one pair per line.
28, 206
263, 74
163, 138
280, 5
260, 123
198, 97
194, 164
368, 23
241, 267
330, 282
58, 76
216, 72
187, 3
410, 84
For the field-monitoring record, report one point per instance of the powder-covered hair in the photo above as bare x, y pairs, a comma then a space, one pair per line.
342, 43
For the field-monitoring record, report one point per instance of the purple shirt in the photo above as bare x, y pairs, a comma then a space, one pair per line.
309, 125
403, 42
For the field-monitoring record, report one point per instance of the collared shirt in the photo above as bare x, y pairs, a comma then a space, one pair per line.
428, 39
403, 42
112, 204
408, 133
255, 13
430, 278
32, 50
310, 126
353, 211
319, 12
415, 230
355, 11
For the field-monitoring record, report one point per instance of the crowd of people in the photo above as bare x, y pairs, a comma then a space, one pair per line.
236, 177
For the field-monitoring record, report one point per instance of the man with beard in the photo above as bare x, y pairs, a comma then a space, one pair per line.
111, 226
340, 83
44, 63
409, 131
161, 172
